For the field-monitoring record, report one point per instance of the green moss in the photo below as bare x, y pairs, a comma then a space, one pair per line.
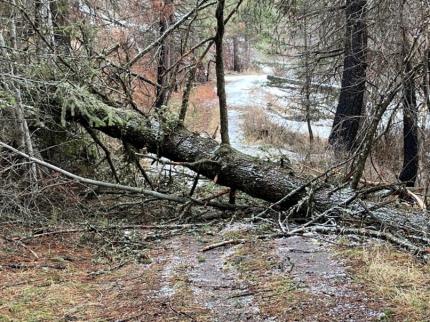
236, 234
201, 259
75, 99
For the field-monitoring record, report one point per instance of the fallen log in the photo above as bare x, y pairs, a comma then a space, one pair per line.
206, 156
229, 167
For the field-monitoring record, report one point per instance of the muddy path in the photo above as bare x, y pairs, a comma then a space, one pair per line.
294, 279
211, 283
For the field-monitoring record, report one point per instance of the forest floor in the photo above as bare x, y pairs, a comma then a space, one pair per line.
89, 276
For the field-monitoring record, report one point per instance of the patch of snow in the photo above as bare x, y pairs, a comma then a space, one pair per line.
245, 91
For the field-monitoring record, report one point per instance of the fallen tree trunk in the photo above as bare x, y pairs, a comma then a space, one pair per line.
229, 167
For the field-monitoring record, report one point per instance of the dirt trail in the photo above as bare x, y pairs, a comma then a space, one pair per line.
229, 284
327, 279
214, 284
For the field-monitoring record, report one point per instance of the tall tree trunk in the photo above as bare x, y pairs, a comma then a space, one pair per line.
220, 73
166, 18
46, 27
409, 171
351, 100
24, 131
187, 94
308, 80
236, 59
426, 74
426, 59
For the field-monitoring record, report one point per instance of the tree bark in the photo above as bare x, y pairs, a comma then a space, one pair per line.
308, 79
351, 100
187, 93
166, 19
25, 139
60, 16
236, 59
45, 24
219, 60
409, 171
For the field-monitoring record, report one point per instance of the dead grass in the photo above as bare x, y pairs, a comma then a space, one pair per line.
397, 278
43, 293
203, 119
386, 160
203, 93
259, 129
82, 290
203, 113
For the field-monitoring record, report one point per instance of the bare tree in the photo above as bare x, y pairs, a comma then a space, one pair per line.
166, 19
225, 139
409, 171
351, 101
237, 67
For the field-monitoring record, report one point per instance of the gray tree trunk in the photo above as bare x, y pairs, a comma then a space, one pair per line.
225, 139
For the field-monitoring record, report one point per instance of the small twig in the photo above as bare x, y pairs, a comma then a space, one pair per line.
225, 243
19, 242
144, 174
96, 139
217, 195
110, 270
180, 312
30, 266
246, 294
249, 293
281, 225
81, 230
420, 202
130, 150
